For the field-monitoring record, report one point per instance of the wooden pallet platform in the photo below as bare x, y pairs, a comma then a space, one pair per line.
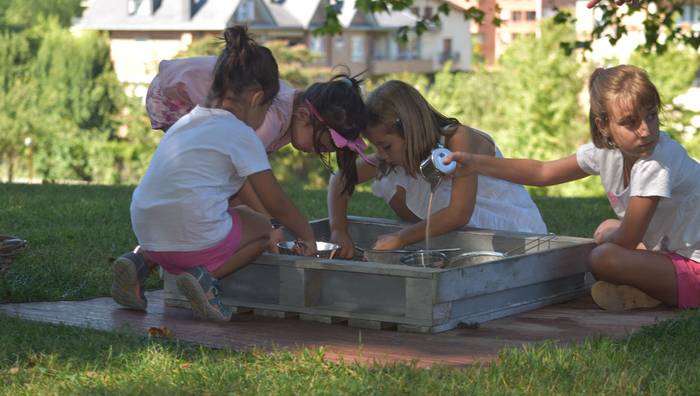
566, 323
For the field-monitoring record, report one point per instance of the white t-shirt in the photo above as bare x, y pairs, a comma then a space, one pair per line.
181, 203
500, 204
668, 173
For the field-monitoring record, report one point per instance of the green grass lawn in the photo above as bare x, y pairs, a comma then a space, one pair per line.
74, 230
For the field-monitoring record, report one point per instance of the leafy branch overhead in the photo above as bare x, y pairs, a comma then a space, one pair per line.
662, 29
661, 25
332, 25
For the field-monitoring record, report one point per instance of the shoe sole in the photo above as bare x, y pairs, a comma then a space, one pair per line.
189, 286
621, 297
123, 283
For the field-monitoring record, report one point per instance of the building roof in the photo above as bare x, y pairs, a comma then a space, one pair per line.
170, 15
215, 15
463, 4
282, 14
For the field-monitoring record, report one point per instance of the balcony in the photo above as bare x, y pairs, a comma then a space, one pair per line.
385, 66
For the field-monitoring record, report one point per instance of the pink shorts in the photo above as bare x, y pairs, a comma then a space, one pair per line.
688, 280
211, 258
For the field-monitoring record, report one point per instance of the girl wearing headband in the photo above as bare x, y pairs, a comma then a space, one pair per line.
404, 128
325, 117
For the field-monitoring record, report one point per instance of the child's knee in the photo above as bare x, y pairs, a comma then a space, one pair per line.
255, 225
603, 258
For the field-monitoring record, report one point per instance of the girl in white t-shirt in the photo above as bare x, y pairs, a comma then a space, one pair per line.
180, 210
649, 254
404, 129
182, 84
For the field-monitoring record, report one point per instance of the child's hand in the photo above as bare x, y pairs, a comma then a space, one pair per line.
277, 235
465, 160
605, 229
305, 248
388, 242
343, 239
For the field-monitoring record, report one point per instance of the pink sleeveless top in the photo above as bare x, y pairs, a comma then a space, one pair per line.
181, 84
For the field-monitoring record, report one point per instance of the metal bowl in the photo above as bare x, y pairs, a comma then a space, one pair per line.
395, 256
472, 258
425, 258
323, 249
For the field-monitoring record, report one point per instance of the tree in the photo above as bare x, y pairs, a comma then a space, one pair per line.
26, 13
660, 28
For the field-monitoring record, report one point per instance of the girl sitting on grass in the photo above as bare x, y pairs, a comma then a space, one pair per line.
404, 128
180, 211
650, 253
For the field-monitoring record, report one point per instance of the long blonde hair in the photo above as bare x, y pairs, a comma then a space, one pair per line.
608, 87
404, 111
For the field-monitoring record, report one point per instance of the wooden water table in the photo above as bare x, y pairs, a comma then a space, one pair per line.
368, 294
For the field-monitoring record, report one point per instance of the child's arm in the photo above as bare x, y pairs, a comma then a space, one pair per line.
282, 208
249, 197
338, 207
454, 216
462, 197
633, 226
521, 171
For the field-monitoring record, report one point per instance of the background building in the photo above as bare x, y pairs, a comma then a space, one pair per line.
144, 32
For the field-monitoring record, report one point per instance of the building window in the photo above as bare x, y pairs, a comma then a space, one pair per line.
516, 16
428, 12
531, 15
246, 11
339, 42
358, 48
415, 11
317, 44
690, 14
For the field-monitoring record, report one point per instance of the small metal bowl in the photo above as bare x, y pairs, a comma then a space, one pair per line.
428, 259
395, 256
472, 258
323, 249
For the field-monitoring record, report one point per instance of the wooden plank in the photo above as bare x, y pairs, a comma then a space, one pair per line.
370, 324
322, 318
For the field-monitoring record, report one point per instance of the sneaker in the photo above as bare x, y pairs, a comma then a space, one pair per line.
202, 290
129, 275
621, 297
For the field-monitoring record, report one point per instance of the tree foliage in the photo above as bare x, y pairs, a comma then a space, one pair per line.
661, 30
59, 92
27, 13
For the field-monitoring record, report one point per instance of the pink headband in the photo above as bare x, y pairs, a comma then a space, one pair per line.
358, 145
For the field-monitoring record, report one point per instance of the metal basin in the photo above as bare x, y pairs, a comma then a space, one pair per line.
323, 249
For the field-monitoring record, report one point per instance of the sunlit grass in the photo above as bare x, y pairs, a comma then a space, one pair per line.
48, 359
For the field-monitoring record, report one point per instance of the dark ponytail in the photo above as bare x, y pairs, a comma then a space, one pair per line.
339, 102
243, 64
